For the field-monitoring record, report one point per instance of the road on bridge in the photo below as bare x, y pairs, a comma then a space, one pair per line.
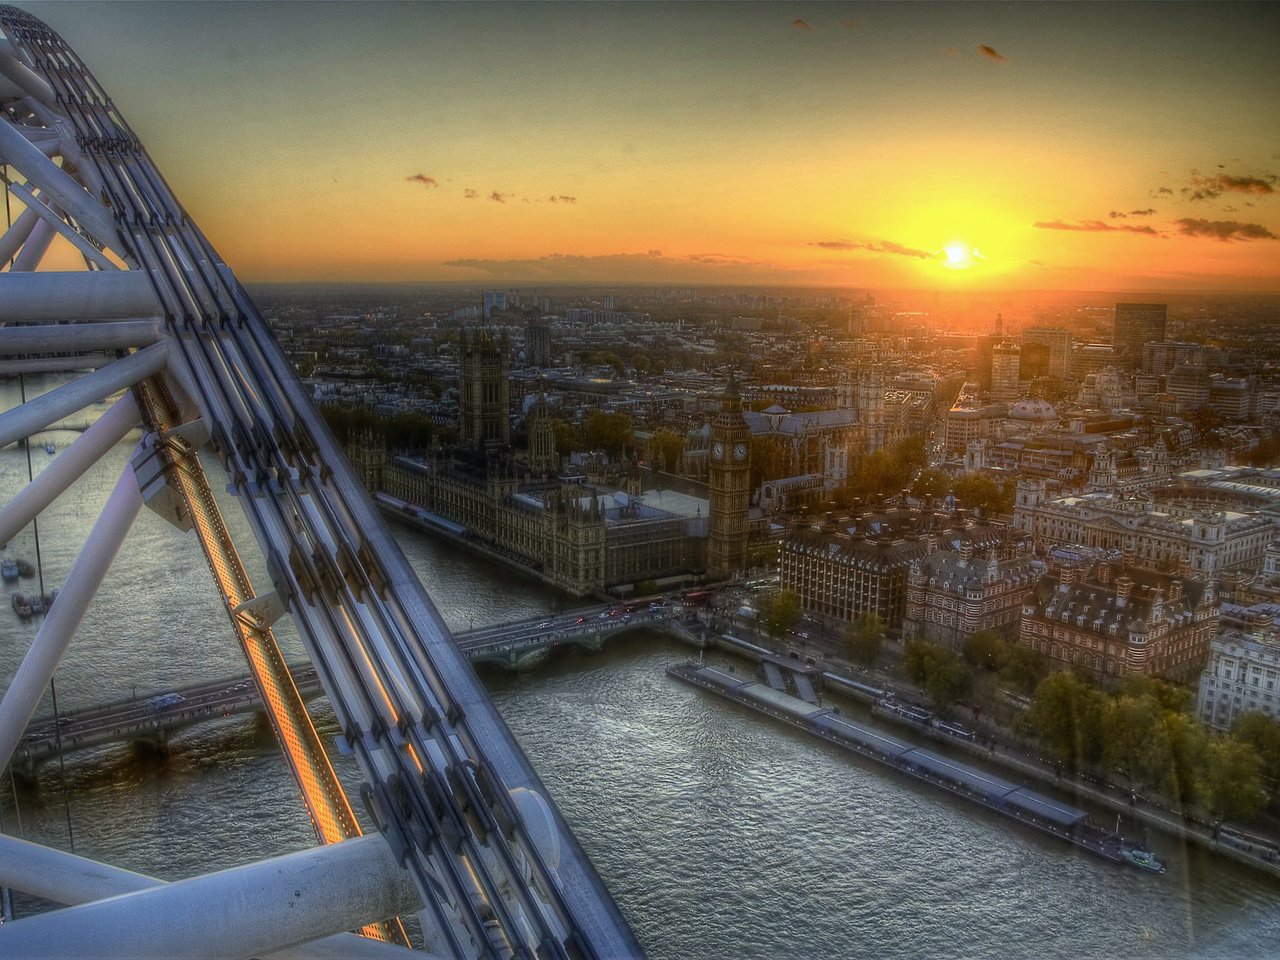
153, 716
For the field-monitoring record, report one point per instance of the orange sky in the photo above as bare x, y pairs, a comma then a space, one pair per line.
966, 146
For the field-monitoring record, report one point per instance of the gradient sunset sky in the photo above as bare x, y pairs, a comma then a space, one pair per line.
984, 146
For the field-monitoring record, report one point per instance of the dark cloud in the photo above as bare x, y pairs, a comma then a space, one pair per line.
1210, 188
1168, 190
1114, 214
1094, 226
1142, 213
561, 198
883, 246
1224, 229
471, 194
497, 197
992, 54
888, 246
423, 179
800, 24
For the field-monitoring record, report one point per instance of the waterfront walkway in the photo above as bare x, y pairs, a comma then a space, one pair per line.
1231, 841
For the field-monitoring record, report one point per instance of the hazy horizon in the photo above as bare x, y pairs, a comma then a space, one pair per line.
961, 146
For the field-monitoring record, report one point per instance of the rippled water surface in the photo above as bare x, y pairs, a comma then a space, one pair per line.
720, 834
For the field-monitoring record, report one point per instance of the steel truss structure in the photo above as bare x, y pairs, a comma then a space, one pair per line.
469, 841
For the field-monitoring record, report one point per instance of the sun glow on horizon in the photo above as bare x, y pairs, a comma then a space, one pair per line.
959, 256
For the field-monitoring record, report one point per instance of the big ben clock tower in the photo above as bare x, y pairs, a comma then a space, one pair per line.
730, 477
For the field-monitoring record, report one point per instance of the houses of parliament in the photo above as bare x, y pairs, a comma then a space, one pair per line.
577, 532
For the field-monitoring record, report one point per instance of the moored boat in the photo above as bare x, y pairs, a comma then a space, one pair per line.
21, 606
1143, 859
9, 569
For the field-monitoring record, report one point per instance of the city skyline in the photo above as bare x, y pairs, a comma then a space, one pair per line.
957, 147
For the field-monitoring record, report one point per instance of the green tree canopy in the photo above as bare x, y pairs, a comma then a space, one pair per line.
668, 448
864, 639
930, 483
610, 432
986, 649
779, 612
940, 672
1230, 780
1263, 734
1066, 716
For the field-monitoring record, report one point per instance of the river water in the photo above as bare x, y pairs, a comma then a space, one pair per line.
720, 834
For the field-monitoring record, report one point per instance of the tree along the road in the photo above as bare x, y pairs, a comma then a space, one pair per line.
864, 639
941, 672
779, 612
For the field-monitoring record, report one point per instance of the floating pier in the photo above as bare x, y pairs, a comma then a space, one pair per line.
1011, 800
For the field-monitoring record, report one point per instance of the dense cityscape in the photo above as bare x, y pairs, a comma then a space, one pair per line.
1082, 494
590, 481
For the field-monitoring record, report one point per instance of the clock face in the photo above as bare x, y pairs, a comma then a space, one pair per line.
717, 450
739, 451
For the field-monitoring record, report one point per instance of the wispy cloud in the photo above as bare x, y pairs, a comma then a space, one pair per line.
497, 197
801, 24
1168, 190
561, 198
649, 266
1225, 230
991, 53
881, 246
471, 194
423, 179
1121, 215
1095, 226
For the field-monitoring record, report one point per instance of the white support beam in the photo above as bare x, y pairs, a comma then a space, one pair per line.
59, 337
11, 368
57, 185
23, 76
242, 912
54, 220
36, 247
11, 240
68, 466
54, 297
60, 623
35, 415
63, 877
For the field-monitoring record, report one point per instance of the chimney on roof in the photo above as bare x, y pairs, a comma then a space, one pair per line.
1124, 587
1104, 573
1175, 590
966, 550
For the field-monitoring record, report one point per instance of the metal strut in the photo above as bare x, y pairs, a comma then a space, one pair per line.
444, 781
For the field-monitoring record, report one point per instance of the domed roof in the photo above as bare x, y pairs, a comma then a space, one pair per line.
1034, 409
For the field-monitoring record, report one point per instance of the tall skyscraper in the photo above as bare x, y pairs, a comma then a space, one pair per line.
730, 476
1136, 324
1059, 343
484, 390
494, 300
537, 342
1005, 361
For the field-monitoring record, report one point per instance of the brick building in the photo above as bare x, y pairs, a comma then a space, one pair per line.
1116, 621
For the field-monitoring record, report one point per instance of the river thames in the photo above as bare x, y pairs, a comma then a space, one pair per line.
720, 833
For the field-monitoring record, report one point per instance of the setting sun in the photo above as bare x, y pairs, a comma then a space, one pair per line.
959, 256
